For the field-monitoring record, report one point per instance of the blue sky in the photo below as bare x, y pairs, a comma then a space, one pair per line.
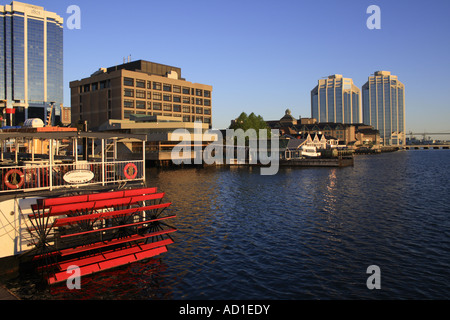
266, 56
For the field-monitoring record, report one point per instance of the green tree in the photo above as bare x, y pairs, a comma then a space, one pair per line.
252, 121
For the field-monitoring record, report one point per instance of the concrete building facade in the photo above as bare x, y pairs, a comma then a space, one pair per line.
384, 107
139, 88
336, 99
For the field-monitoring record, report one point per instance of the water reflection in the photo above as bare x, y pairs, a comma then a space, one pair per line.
302, 234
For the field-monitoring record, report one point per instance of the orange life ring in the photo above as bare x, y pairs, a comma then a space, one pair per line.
126, 171
14, 184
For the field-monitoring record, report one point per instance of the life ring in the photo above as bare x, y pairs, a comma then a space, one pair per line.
126, 171
14, 184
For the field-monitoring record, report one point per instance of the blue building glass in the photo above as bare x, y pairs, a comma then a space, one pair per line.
18, 54
54, 61
31, 61
35, 44
2, 57
8, 59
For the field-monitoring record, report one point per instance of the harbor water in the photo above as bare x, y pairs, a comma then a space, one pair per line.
305, 233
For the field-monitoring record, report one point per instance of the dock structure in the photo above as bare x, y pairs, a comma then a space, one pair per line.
5, 294
427, 146
312, 162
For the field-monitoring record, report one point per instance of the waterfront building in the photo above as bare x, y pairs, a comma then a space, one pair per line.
31, 63
336, 99
161, 138
139, 88
355, 135
384, 107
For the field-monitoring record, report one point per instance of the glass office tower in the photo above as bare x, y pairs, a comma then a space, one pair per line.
31, 63
384, 107
336, 100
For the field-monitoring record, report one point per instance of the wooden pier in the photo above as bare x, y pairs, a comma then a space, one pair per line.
333, 162
427, 147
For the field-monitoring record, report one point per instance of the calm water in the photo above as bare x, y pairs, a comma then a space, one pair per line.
302, 234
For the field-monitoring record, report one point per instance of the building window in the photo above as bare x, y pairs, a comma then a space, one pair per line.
105, 84
207, 111
176, 108
199, 110
207, 102
156, 96
140, 104
167, 97
186, 118
140, 94
186, 109
176, 98
186, 90
199, 92
167, 87
186, 100
149, 94
87, 87
149, 84
176, 89
128, 93
95, 86
156, 86
128, 103
198, 101
207, 120
128, 82
207, 94
157, 106
149, 105
167, 107
140, 83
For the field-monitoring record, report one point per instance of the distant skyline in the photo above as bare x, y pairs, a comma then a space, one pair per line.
267, 56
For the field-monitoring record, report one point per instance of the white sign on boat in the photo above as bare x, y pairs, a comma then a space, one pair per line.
78, 176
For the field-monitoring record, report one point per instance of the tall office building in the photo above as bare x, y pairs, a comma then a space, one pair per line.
31, 62
337, 100
140, 88
384, 107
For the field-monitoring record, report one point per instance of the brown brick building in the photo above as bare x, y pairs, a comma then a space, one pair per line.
141, 88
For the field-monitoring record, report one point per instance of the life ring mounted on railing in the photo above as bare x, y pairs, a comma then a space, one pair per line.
11, 179
130, 171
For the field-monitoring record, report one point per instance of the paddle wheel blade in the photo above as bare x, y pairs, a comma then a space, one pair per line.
100, 231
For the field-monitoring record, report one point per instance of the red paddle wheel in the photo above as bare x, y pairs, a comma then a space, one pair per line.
98, 231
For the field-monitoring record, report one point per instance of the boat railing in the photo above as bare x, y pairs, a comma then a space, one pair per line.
50, 176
